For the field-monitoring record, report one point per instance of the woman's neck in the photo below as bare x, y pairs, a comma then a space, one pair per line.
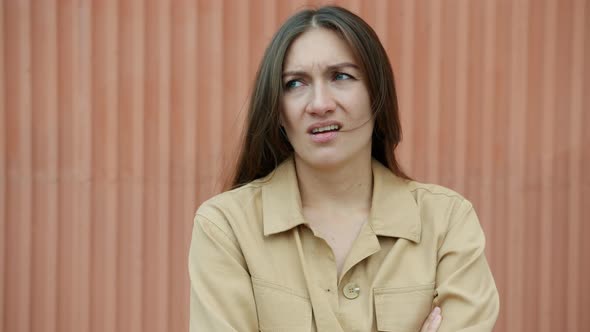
344, 188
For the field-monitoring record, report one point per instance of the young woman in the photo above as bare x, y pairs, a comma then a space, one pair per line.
323, 231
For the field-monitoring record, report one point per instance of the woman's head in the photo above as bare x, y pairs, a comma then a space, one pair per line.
267, 142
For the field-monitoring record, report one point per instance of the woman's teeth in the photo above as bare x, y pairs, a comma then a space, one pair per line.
326, 128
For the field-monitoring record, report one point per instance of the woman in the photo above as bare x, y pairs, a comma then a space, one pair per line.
324, 231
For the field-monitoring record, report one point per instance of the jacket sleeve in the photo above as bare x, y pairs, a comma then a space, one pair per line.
221, 295
466, 291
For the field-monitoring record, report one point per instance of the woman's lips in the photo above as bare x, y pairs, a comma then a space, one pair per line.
324, 137
317, 125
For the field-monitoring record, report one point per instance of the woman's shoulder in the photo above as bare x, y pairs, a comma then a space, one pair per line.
442, 209
434, 196
431, 189
237, 198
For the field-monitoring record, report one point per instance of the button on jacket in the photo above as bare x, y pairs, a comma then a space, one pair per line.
255, 265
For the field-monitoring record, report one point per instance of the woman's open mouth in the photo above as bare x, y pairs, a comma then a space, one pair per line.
325, 134
325, 129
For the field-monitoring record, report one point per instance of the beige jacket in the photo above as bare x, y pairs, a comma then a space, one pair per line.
254, 264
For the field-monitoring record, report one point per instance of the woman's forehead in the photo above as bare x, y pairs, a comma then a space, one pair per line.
318, 49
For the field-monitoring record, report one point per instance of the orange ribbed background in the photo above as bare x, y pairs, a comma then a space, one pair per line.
117, 118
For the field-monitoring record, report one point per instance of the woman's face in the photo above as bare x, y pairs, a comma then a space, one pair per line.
326, 108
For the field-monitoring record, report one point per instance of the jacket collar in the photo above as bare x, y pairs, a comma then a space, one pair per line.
394, 212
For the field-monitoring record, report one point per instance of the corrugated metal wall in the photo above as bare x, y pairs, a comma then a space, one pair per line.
117, 118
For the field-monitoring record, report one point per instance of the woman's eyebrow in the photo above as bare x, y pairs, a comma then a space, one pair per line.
342, 65
329, 68
294, 73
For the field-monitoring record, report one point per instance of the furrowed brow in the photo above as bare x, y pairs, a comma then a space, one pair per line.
330, 68
294, 73
342, 66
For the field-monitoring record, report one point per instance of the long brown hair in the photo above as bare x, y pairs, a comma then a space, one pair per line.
264, 146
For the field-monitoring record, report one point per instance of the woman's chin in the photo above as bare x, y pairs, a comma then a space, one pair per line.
324, 161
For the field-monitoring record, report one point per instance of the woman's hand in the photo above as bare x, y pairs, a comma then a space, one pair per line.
432, 322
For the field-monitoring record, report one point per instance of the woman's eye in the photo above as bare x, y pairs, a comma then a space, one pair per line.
342, 76
293, 84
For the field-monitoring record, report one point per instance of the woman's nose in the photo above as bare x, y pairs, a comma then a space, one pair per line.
322, 101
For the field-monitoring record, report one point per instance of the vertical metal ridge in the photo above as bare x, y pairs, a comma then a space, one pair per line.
27, 202
473, 177
406, 90
209, 94
391, 17
270, 22
137, 170
547, 141
420, 74
45, 168
500, 170
52, 217
516, 150
82, 163
3, 174
163, 176
217, 100
18, 142
584, 301
433, 113
532, 155
575, 171
560, 160
177, 209
65, 199
105, 87
486, 153
445, 123
130, 234
236, 53
190, 109
381, 21
461, 80
155, 235
25, 141
186, 63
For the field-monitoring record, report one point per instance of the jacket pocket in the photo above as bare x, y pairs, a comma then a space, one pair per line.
280, 308
403, 309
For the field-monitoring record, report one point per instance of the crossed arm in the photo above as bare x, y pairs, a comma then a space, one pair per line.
466, 293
